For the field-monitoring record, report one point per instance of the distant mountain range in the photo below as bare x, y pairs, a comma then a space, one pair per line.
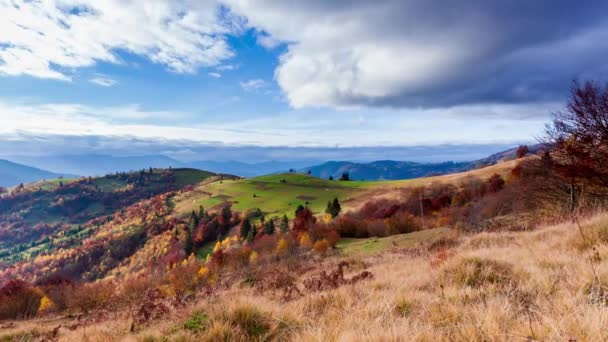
99, 165
96, 164
12, 174
385, 169
391, 170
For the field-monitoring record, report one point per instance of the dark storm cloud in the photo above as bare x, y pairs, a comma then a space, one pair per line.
404, 53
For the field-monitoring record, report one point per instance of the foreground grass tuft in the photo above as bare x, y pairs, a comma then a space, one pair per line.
477, 272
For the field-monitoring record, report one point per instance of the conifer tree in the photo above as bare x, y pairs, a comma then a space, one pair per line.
245, 228
284, 225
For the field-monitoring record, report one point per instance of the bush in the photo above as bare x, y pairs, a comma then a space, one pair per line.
476, 272
91, 296
321, 246
19, 300
254, 323
402, 223
197, 322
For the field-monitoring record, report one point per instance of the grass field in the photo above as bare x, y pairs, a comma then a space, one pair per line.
362, 247
281, 194
270, 194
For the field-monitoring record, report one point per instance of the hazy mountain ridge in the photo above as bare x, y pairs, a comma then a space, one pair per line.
12, 173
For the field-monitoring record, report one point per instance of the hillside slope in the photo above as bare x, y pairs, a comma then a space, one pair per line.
12, 174
281, 194
536, 285
46, 217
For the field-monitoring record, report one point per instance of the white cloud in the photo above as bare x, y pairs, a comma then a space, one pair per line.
47, 39
267, 41
405, 53
215, 74
294, 128
253, 85
226, 67
103, 81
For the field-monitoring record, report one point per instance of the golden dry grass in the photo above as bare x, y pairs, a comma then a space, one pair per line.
508, 286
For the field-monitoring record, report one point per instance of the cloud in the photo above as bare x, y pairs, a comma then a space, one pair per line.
215, 74
49, 39
253, 85
226, 67
306, 128
408, 53
267, 41
103, 81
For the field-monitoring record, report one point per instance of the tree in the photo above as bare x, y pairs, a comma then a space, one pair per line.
331, 178
345, 176
579, 136
299, 209
284, 225
226, 215
337, 208
245, 228
309, 172
269, 227
192, 225
333, 208
522, 151
252, 233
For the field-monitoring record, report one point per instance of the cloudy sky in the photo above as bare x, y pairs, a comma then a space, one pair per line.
290, 73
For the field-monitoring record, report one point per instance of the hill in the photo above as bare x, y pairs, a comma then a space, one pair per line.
98, 164
396, 170
47, 216
433, 287
12, 174
248, 169
281, 194
385, 169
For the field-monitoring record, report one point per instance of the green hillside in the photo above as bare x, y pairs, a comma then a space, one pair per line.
54, 214
274, 194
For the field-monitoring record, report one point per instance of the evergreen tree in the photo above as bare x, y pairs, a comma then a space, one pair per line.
336, 207
188, 244
245, 228
269, 227
299, 209
345, 176
202, 213
284, 225
252, 233
329, 209
227, 214
333, 208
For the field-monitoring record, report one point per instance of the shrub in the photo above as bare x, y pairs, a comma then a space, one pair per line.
18, 300
91, 296
197, 322
321, 246
402, 223
403, 307
254, 323
476, 272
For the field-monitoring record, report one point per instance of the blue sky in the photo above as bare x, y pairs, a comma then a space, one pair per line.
289, 74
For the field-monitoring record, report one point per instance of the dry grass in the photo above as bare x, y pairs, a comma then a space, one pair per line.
492, 286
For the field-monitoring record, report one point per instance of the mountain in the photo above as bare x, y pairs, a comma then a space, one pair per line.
393, 170
44, 217
97, 164
249, 169
385, 169
12, 174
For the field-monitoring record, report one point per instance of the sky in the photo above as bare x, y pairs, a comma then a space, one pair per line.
178, 77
